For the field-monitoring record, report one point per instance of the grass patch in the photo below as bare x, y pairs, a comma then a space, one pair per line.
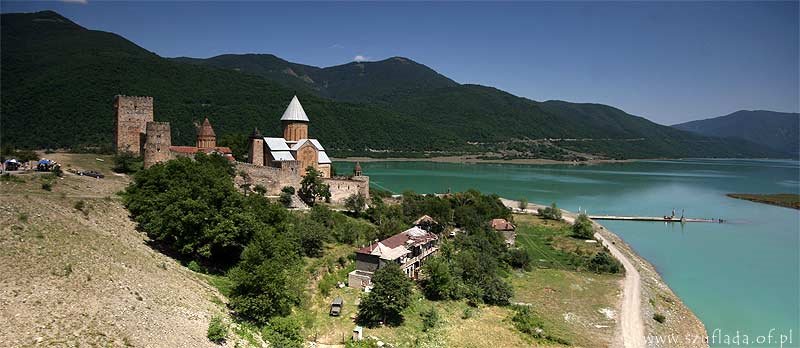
788, 200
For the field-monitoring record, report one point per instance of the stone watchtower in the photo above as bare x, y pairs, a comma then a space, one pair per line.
206, 138
158, 141
130, 122
256, 151
295, 121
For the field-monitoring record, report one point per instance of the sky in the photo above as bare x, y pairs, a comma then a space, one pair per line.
669, 62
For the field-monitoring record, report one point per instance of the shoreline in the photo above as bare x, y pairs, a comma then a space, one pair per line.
653, 295
474, 159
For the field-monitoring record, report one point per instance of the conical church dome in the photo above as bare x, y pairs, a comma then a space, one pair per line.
294, 112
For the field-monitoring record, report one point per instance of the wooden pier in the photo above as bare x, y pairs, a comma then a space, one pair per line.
653, 218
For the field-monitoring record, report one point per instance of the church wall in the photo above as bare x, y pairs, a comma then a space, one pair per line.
272, 178
342, 187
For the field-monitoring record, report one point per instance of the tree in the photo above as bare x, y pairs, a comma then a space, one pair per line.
355, 203
312, 188
268, 281
551, 213
127, 162
440, 283
390, 295
583, 227
523, 203
286, 196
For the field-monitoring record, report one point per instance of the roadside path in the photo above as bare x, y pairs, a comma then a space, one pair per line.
631, 324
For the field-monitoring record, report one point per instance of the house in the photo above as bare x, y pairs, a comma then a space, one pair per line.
407, 249
427, 223
507, 229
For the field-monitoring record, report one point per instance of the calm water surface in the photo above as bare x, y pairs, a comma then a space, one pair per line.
741, 275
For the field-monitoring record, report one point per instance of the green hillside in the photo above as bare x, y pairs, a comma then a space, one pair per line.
59, 80
777, 130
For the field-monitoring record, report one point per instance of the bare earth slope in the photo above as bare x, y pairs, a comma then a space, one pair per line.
74, 279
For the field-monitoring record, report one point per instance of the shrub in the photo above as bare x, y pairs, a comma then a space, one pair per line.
355, 203
195, 267
659, 318
469, 312
312, 188
260, 189
430, 319
217, 330
127, 162
583, 227
283, 332
603, 262
523, 203
526, 321
22, 217
286, 196
80, 206
550, 213
519, 258
47, 186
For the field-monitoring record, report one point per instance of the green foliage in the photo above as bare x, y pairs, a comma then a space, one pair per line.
523, 203
261, 190
286, 196
583, 227
9, 152
390, 295
192, 207
355, 203
519, 258
440, 282
81, 206
7, 177
312, 188
312, 236
47, 186
603, 262
526, 321
237, 142
283, 332
430, 319
551, 213
268, 280
217, 330
127, 162
659, 318
379, 193
195, 267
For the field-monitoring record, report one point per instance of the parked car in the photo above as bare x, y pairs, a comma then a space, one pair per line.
336, 307
92, 173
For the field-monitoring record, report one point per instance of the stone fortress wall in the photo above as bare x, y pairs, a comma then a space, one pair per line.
156, 147
274, 179
132, 115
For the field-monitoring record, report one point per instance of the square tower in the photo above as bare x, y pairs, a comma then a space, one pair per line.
130, 122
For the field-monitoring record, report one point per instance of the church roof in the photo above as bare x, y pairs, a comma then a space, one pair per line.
296, 146
323, 158
206, 129
276, 144
294, 112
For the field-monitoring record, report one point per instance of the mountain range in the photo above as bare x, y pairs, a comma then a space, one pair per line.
777, 130
59, 80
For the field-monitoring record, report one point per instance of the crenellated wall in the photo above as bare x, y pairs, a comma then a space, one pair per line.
274, 179
130, 122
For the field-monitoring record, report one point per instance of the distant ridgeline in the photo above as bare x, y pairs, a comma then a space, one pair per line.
58, 79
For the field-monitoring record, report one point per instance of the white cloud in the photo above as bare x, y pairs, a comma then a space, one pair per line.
82, 2
360, 58
336, 45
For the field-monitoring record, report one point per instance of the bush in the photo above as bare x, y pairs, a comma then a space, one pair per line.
286, 196
526, 321
659, 318
195, 267
603, 262
430, 319
80, 206
519, 259
355, 203
523, 203
217, 330
550, 213
583, 227
127, 163
47, 186
312, 188
283, 332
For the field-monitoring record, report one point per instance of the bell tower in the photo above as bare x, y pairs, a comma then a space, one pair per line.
295, 121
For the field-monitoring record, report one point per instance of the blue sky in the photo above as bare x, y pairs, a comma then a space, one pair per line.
669, 62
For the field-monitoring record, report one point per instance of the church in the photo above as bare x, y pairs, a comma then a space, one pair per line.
295, 148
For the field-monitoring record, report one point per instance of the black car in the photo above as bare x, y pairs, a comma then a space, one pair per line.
92, 173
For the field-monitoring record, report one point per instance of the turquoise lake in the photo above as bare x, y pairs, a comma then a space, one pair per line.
743, 275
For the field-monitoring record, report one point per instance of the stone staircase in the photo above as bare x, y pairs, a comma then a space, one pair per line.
298, 203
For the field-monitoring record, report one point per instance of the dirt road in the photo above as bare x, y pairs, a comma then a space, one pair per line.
631, 324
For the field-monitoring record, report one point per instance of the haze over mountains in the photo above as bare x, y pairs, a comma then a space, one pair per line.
777, 130
59, 80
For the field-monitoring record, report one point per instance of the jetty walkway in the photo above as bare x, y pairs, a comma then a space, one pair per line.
653, 218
